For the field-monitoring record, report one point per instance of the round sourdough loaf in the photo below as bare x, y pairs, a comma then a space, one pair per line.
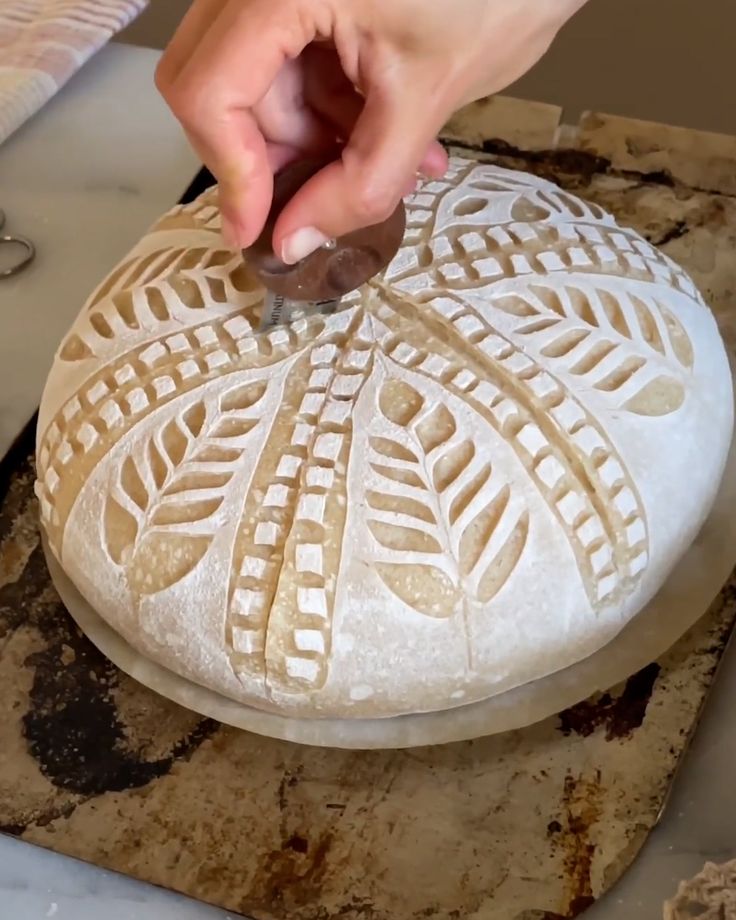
470, 476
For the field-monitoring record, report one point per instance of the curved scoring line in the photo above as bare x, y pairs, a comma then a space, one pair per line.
584, 473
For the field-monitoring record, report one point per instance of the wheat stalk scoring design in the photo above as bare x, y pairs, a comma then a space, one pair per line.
174, 487
436, 504
509, 300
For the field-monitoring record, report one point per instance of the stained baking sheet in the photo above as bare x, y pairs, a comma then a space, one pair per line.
533, 824
682, 601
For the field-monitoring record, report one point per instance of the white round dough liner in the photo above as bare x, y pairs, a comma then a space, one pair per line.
681, 602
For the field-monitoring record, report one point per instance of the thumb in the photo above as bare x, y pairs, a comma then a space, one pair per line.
381, 159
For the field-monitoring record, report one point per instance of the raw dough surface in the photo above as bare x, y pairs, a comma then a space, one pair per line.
471, 476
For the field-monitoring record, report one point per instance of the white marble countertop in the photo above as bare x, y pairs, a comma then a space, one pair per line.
84, 179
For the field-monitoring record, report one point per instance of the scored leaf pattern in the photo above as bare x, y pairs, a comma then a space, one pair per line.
452, 531
164, 285
159, 519
576, 305
610, 337
479, 196
470, 364
515, 200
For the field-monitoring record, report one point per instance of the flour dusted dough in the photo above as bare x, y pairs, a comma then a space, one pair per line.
473, 475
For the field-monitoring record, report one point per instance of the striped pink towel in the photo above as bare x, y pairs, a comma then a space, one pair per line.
44, 42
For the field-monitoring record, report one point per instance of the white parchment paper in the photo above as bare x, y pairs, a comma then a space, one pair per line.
682, 601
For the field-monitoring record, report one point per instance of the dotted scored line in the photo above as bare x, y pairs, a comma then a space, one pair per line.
573, 505
98, 410
329, 398
614, 249
114, 410
201, 210
249, 602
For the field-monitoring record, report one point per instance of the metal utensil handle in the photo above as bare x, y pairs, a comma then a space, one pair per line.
29, 256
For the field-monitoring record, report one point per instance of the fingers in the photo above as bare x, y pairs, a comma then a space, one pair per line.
195, 23
328, 91
280, 155
285, 117
435, 162
237, 155
212, 88
248, 107
391, 139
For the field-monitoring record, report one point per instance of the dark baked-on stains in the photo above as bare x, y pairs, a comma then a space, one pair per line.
678, 229
72, 726
546, 163
296, 843
580, 163
18, 462
562, 163
620, 715
292, 876
31, 600
581, 811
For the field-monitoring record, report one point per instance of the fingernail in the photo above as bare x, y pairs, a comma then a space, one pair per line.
301, 243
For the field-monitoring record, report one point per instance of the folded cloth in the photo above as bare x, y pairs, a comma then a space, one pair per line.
710, 895
44, 42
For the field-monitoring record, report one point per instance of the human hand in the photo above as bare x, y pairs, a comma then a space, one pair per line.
257, 84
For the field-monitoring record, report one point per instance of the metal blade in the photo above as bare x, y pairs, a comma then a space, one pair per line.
280, 311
